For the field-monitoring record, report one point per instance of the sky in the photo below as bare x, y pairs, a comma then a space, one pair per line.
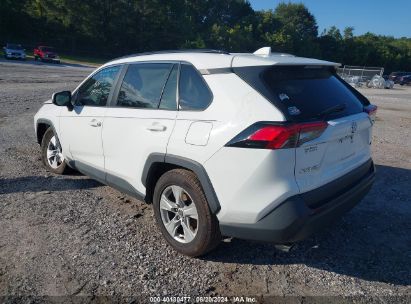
384, 17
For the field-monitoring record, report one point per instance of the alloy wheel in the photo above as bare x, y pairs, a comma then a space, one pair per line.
179, 214
54, 156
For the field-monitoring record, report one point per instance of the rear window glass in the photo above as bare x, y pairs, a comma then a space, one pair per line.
304, 92
143, 84
194, 93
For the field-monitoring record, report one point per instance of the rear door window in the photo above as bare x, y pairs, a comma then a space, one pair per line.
305, 92
143, 84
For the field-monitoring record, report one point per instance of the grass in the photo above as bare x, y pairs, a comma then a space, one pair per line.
84, 60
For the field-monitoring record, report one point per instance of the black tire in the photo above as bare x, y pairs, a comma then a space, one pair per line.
208, 234
60, 169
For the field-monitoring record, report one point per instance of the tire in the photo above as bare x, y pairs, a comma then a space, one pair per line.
206, 234
50, 145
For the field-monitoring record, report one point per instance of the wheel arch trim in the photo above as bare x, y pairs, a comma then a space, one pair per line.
47, 122
189, 164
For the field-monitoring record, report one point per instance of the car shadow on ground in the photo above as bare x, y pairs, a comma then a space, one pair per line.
41, 183
371, 242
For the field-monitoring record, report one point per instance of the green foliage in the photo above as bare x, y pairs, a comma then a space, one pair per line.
109, 28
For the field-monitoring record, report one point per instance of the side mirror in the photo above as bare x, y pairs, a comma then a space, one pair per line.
63, 99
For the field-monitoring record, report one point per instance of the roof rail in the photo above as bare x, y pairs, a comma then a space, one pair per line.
209, 51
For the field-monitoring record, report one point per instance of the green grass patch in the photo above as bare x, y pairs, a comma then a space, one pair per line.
84, 60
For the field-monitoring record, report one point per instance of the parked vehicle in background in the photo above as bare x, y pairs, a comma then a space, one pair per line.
262, 146
405, 80
389, 84
46, 53
395, 76
14, 51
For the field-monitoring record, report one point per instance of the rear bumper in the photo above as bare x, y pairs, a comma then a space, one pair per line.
303, 214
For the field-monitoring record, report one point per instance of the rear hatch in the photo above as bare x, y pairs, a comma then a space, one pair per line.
307, 94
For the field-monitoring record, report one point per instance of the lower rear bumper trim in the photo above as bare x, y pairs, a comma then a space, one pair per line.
293, 220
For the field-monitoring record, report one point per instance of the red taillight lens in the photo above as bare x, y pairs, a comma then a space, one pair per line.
276, 137
272, 136
371, 110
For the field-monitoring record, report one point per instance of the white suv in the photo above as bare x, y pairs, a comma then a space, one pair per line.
257, 146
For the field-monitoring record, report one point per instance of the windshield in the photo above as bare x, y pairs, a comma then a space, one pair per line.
14, 46
304, 92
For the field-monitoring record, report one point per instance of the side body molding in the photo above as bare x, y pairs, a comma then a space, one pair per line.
189, 164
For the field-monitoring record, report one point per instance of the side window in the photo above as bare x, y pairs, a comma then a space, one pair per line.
194, 92
142, 85
95, 91
169, 97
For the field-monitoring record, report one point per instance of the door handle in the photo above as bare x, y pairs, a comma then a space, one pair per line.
95, 123
156, 127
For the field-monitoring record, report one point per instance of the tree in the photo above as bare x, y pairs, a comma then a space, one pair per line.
298, 29
111, 28
331, 44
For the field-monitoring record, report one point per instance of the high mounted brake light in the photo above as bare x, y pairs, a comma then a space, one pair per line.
267, 135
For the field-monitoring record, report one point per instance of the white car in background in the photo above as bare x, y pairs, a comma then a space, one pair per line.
261, 146
14, 51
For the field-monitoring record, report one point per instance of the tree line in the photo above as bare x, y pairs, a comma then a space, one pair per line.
110, 28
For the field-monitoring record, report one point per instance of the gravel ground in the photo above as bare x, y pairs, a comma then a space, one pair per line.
70, 235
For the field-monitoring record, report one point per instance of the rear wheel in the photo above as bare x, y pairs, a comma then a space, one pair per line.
183, 215
51, 153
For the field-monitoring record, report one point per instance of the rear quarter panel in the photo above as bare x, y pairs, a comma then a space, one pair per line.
235, 106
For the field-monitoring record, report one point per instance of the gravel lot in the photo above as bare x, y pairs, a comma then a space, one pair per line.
70, 235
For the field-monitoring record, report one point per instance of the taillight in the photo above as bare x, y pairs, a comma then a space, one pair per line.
371, 110
278, 136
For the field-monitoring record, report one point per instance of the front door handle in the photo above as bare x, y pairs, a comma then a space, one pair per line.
95, 123
156, 127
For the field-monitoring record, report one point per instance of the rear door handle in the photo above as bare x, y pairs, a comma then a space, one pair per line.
95, 123
156, 127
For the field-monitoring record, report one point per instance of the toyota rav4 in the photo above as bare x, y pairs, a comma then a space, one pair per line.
261, 146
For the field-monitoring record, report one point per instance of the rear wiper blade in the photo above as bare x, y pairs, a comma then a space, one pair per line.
332, 110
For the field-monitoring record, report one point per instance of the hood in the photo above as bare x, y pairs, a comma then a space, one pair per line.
15, 51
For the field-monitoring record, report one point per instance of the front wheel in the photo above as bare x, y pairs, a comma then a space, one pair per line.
51, 153
182, 213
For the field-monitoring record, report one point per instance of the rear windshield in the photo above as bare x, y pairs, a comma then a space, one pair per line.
304, 93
